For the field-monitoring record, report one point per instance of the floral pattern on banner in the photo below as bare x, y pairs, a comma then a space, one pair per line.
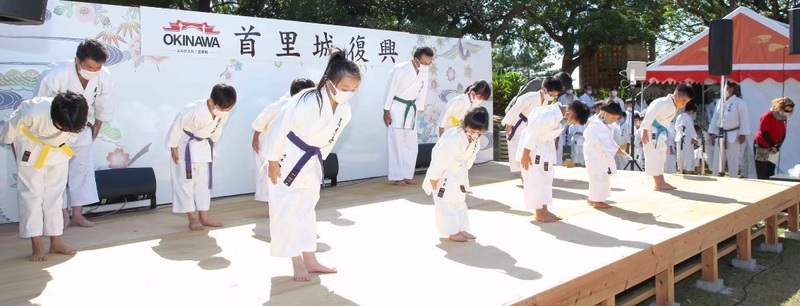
233, 65
118, 159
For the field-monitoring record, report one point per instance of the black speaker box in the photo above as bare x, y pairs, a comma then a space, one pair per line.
23, 12
124, 185
794, 31
330, 168
720, 47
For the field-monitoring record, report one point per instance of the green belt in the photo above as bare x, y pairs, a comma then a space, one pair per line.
409, 104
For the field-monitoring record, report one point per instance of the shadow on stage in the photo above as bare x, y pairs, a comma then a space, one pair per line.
476, 255
261, 232
192, 246
634, 216
570, 233
312, 292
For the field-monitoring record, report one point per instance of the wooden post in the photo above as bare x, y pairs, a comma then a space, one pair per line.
772, 230
710, 266
794, 223
612, 301
743, 245
665, 287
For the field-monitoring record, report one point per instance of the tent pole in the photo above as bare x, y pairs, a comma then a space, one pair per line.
702, 137
721, 141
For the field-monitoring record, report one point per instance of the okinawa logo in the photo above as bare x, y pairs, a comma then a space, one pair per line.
198, 40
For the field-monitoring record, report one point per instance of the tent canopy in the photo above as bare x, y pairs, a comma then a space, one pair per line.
760, 52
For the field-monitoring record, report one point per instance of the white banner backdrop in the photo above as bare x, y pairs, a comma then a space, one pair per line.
157, 71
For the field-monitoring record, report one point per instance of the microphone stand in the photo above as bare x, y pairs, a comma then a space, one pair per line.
632, 145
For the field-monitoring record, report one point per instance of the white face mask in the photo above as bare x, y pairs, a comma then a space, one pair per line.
219, 113
614, 93
424, 68
589, 92
569, 91
88, 75
341, 96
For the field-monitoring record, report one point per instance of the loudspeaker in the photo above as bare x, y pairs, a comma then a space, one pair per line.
720, 47
637, 71
123, 185
330, 168
23, 12
794, 31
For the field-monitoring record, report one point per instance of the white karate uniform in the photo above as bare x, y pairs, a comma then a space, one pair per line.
641, 108
191, 194
566, 99
661, 111
260, 125
621, 138
523, 107
600, 150
292, 225
406, 84
577, 142
737, 120
589, 100
671, 162
457, 108
63, 76
39, 190
451, 159
684, 126
545, 124
563, 140
638, 151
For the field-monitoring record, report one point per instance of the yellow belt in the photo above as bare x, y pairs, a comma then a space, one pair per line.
454, 121
45, 149
266, 126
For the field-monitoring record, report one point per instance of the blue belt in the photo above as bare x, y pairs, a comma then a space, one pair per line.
522, 118
309, 152
188, 157
409, 104
659, 130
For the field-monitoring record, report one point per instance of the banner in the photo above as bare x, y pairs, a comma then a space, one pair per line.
155, 77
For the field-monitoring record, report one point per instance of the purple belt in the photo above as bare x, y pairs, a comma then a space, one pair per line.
522, 118
188, 158
309, 152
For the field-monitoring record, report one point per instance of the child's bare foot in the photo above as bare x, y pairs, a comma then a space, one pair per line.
410, 182
664, 186
210, 222
61, 248
81, 221
466, 235
195, 225
599, 205
38, 249
546, 217
316, 267
300, 271
458, 238
400, 183
66, 218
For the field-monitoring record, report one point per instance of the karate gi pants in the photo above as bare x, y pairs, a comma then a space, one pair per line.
189, 195
537, 186
81, 185
577, 154
41, 193
262, 179
513, 146
292, 219
403, 147
734, 154
655, 156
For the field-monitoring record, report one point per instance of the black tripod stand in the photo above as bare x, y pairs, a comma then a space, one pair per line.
632, 145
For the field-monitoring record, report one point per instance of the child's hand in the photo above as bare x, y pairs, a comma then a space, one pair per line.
525, 161
255, 142
274, 171
174, 155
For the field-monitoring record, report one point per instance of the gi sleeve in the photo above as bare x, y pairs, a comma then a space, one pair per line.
287, 120
182, 121
444, 120
744, 119
391, 88
442, 157
11, 129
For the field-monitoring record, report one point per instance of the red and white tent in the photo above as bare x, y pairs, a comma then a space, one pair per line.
762, 66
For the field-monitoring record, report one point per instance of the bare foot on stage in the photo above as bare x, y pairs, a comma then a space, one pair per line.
400, 183
458, 238
466, 235
66, 218
546, 217
38, 250
195, 225
300, 271
61, 248
210, 222
410, 181
554, 216
81, 221
664, 186
319, 268
599, 205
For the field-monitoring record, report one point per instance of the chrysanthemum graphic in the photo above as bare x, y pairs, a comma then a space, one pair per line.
84, 13
433, 85
451, 74
118, 159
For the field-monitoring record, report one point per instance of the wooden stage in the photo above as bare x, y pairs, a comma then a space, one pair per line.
383, 240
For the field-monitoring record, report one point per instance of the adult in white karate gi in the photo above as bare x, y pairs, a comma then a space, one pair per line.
577, 141
537, 153
736, 129
86, 75
686, 138
405, 97
191, 139
475, 95
515, 121
588, 96
447, 177
39, 132
655, 132
260, 126
600, 150
300, 138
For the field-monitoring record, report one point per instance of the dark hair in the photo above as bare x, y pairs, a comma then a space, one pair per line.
637, 115
69, 111
223, 95
565, 78
736, 90
552, 84
299, 84
92, 49
476, 119
612, 107
423, 51
338, 68
580, 110
480, 88
685, 90
586, 87
690, 107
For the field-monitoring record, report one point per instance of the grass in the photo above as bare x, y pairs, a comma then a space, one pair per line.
778, 285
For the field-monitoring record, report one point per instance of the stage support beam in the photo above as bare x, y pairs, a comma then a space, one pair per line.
612, 301
710, 269
665, 288
771, 235
793, 229
744, 251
